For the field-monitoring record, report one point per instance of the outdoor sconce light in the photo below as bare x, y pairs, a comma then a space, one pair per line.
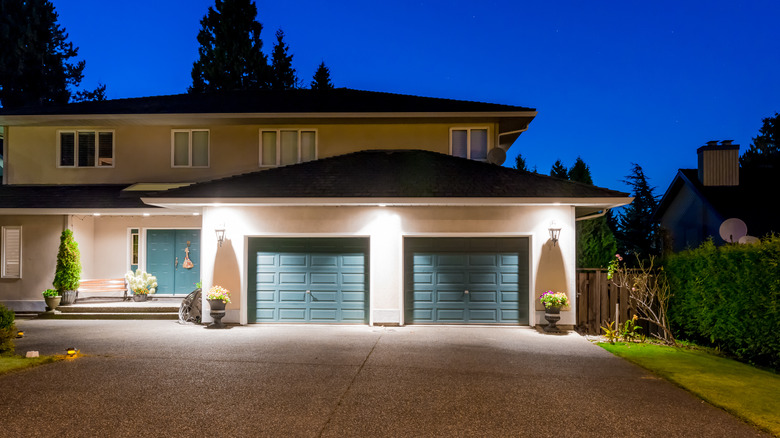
555, 233
71, 351
20, 334
220, 234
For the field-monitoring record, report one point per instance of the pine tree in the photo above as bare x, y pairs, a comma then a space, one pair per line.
321, 79
636, 232
580, 172
34, 55
558, 170
520, 163
283, 77
230, 55
764, 152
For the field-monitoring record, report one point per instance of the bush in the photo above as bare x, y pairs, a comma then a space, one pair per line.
729, 297
68, 273
7, 330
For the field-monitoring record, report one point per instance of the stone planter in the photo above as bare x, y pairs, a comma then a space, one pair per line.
217, 312
552, 314
140, 297
52, 303
68, 298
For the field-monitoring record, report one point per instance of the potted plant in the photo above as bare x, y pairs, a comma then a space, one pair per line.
141, 283
217, 297
68, 273
52, 299
552, 302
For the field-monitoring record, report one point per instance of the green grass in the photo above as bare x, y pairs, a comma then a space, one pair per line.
745, 391
13, 363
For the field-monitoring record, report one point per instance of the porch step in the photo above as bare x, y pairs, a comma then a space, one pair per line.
119, 309
157, 308
106, 315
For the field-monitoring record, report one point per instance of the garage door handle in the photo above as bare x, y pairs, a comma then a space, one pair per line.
466, 292
308, 291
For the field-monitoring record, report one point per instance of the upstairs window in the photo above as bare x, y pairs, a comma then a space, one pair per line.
190, 148
86, 149
280, 147
469, 143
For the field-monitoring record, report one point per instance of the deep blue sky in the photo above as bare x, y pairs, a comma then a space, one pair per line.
614, 82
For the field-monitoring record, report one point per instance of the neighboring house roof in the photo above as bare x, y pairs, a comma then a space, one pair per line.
747, 201
69, 197
339, 100
390, 174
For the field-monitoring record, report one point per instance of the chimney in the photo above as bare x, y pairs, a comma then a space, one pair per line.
719, 163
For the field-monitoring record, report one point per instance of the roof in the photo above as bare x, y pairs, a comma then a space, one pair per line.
747, 201
69, 197
339, 100
390, 174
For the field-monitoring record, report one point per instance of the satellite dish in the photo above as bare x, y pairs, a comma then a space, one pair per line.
496, 156
731, 230
748, 239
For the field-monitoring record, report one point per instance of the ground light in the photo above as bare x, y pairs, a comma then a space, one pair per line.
72, 352
20, 334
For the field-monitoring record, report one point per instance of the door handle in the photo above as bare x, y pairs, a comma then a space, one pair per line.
176, 264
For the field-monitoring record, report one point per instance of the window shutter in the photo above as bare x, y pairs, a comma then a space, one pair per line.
12, 252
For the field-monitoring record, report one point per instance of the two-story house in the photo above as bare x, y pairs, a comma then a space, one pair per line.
338, 206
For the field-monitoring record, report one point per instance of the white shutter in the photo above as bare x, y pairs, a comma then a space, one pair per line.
12, 252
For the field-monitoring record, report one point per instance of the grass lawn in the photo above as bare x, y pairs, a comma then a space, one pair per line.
745, 391
13, 363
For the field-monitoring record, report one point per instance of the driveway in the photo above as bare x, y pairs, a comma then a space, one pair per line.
159, 378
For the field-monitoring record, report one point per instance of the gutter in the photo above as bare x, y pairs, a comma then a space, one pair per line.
592, 215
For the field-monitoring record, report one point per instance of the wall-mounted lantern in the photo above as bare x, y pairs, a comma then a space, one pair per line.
555, 233
220, 230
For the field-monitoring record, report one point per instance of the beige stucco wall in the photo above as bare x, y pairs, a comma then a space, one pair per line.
143, 153
551, 267
40, 241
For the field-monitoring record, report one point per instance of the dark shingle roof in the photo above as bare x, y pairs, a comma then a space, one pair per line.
390, 174
69, 197
340, 100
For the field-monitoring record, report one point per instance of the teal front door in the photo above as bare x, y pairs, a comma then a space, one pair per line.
308, 280
466, 280
166, 255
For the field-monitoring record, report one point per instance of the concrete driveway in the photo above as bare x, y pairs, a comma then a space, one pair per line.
159, 378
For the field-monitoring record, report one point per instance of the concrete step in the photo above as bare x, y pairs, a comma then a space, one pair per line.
119, 308
108, 315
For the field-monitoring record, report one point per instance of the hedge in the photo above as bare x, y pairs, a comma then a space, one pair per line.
729, 297
7, 330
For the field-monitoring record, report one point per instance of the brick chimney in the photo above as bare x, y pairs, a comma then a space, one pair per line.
719, 163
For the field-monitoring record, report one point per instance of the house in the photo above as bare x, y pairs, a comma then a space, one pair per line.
338, 206
699, 201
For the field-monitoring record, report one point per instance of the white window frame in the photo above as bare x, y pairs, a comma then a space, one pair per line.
5, 250
75, 133
468, 129
278, 145
189, 150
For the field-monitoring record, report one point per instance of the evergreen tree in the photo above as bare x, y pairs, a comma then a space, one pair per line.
35, 66
321, 79
558, 170
765, 150
580, 172
636, 232
230, 55
520, 163
98, 94
283, 77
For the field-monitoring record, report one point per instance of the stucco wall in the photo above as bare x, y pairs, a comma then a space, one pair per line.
551, 267
40, 241
143, 153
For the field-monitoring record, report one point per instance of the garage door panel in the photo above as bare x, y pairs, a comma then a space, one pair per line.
333, 270
493, 270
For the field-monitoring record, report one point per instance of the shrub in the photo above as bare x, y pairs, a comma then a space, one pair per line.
7, 330
68, 273
729, 297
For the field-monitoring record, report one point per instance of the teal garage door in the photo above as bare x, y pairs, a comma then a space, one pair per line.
308, 280
466, 280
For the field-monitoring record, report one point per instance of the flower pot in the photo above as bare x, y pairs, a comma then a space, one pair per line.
216, 304
140, 297
552, 314
52, 303
68, 298
217, 313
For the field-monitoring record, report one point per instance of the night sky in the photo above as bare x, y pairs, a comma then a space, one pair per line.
615, 82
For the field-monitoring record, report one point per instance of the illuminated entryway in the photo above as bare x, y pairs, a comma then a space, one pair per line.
466, 280
166, 254
308, 280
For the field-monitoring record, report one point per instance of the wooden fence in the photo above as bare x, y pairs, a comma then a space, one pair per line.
598, 300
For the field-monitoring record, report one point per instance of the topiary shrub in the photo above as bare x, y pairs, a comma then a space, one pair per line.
68, 273
7, 330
